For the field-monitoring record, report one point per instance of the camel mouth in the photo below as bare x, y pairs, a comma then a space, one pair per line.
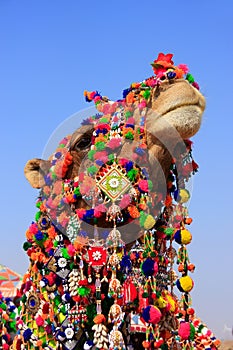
199, 106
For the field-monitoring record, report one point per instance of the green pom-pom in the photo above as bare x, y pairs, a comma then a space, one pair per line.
145, 295
77, 191
146, 94
3, 306
169, 231
27, 245
56, 300
38, 204
132, 174
150, 184
38, 215
63, 309
142, 218
83, 291
65, 253
111, 157
92, 170
190, 78
100, 145
129, 135
91, 154
55, 244
128, 114
103, 120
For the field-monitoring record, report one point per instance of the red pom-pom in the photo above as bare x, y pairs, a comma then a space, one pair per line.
184, 330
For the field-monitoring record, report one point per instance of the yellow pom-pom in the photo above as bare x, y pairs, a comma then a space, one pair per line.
184, 195
149, 222
186, 283
186, 236
171, 302
161, 303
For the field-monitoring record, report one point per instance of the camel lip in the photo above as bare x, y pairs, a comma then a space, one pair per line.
185, 105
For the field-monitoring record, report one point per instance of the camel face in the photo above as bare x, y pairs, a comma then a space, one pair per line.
175, 114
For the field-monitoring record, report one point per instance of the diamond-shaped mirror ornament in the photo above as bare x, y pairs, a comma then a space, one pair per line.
114, 183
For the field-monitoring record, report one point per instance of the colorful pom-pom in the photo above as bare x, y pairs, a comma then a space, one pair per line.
151, 314
186, 331
183, 236
185, 284
149, 267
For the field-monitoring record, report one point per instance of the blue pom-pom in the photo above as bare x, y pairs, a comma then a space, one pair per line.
148, 267
27, 334
89, 214
58, 155
125, 92
139, 151
39, 236
129, 166
145, 173
99, 162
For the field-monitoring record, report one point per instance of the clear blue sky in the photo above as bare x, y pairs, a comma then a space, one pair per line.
50, 51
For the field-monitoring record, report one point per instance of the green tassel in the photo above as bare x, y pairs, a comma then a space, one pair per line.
132, 174
100, 145
128, 114
65, 253
83, 291
91, 154
111, 157
77, 191
92, 170
146, 94
103, 120
190, 78
26, 246
38, 204
129, 135
169, 231
150, 184
38, 215
142, 218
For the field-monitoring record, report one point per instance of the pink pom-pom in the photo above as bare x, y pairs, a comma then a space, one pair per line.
143, 185
183, 67
114, 143
125, 201
39, 321
142, 104
131, 120
71, 250
184, 330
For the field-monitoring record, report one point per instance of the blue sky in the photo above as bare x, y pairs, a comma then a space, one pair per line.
51, 51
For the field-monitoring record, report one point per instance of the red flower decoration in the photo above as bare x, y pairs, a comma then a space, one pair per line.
162, 62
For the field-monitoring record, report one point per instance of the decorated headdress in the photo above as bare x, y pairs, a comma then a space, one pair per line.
101, 248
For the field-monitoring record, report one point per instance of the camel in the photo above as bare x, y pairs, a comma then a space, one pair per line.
111, 203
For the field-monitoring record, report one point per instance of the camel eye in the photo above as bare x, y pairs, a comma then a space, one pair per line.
83, 143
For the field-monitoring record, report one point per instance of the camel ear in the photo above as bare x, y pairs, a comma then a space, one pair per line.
35, 170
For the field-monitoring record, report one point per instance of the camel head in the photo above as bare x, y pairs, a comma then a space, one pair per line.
138, 139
